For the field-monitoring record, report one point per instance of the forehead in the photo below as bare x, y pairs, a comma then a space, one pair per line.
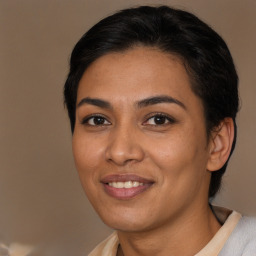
134, 74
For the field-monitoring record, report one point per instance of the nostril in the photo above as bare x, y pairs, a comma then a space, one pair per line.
124, 152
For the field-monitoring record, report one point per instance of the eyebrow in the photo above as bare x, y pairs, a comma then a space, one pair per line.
140, 104
159, 99
95, 102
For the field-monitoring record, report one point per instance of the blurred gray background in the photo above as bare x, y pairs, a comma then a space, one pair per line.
41, 200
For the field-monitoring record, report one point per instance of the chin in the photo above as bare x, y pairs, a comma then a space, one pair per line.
127, 221
128, 226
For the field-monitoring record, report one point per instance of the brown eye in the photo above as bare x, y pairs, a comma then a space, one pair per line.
96, 121
159, 119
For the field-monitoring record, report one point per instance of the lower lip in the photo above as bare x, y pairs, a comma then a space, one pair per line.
125, 193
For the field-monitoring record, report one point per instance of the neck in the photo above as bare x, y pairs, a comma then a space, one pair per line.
185, 236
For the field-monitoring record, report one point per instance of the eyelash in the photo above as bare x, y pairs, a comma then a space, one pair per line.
166, 118
86, 120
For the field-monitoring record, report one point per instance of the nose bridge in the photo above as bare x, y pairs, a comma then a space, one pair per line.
124, 145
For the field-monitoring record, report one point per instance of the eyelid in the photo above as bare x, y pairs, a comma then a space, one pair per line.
170, 119
85, 120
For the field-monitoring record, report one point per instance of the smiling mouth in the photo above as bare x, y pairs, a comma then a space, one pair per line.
124, 187
127, 184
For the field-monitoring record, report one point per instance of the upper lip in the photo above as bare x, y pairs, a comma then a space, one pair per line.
124, 178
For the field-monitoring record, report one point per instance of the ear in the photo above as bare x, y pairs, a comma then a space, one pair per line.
220, 144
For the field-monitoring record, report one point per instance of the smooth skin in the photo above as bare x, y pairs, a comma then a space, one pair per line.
164, 141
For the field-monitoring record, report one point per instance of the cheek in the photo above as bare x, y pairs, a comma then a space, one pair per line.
180, 155
182, 164
87, 154
171, 151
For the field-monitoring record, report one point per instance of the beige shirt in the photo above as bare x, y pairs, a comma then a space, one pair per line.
230, 219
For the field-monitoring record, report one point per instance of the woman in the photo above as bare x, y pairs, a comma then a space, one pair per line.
152, 99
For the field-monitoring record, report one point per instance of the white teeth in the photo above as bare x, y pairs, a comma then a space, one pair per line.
136, 184
119, 184
127, 184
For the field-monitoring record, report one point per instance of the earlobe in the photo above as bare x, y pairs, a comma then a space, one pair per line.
220, 144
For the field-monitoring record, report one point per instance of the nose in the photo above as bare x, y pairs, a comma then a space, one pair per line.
124, 146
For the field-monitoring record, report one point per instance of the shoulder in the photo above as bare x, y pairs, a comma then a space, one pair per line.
242, 240
108, 247
246, 229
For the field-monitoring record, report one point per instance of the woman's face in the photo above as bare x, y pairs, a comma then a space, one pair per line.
140, 143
